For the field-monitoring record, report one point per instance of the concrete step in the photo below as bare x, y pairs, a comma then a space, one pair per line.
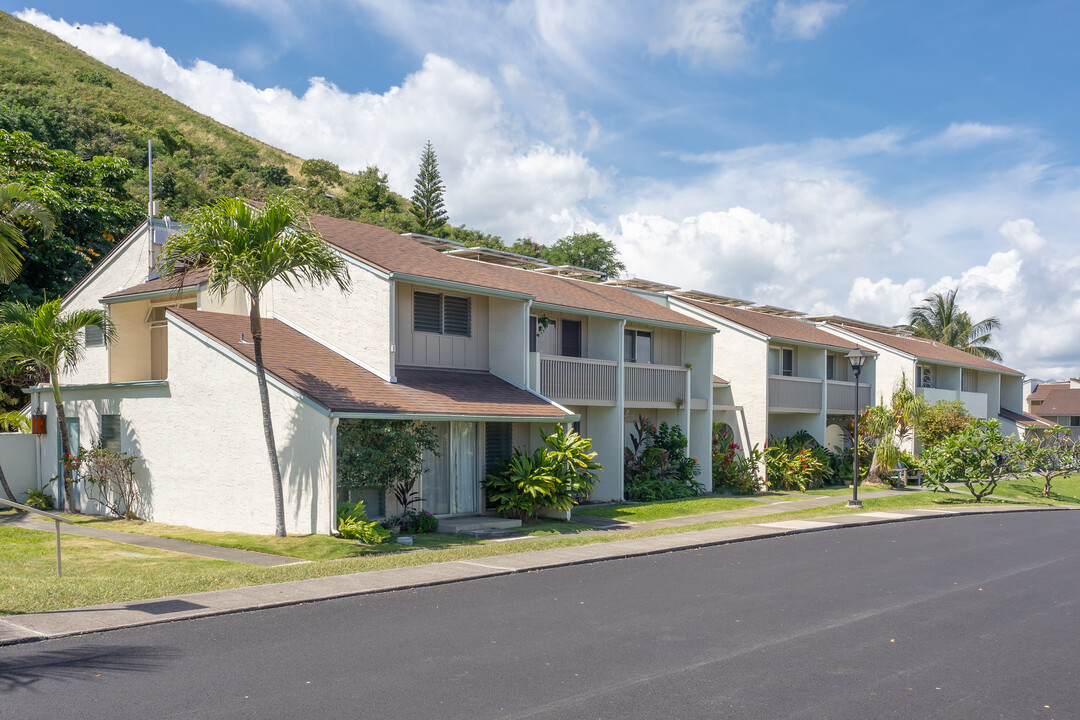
484, 526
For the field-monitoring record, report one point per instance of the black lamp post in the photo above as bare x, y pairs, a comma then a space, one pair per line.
856, 357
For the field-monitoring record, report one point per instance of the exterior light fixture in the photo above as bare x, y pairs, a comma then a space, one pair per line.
856, 357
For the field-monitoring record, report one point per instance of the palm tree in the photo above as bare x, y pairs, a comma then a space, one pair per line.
890, 425
938, 318
17, 212
250, 247
46, 339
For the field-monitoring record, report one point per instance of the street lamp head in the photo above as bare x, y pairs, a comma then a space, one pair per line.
857, 357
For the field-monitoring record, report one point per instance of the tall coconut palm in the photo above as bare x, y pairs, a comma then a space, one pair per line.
939, 318
249, 247
18, 212
46, 339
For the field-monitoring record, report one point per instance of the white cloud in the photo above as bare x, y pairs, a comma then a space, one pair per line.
1023, 234
496, 179
707, 32
804, 20
962, 136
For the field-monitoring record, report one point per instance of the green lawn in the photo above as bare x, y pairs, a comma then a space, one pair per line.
1064, 491
834, 491
94, 573
643, 512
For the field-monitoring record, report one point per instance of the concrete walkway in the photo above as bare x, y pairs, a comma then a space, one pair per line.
249, 557
769, 506
42, 626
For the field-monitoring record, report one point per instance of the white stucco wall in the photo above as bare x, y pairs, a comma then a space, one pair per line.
18, 458
742, 359
508, 328
200, 441
122, 269
356, 322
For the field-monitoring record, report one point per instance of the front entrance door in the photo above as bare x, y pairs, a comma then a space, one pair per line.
451, 482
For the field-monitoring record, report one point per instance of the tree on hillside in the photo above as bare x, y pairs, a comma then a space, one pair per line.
428, 191
939, 319
251, 247
46, 339
88, 200
18, 213
323, 170
587, 250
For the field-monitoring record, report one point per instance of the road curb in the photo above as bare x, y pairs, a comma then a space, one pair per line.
27, 628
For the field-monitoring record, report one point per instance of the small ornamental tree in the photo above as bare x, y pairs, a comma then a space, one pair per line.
428, 192
978, 456
942, 419
382, 453
1052, 454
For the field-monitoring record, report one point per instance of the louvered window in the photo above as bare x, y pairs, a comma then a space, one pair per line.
93, 336
456, 316
442, 314
571, 338
427, 312
110, 432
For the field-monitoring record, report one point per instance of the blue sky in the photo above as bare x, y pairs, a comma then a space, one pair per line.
824, 155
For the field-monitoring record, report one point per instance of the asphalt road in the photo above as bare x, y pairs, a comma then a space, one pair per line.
963, 617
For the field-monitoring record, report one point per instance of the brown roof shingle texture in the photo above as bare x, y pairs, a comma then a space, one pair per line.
391, 252
341, 385
774, 326
1023, 418
1058, 400
932, 351
178, 283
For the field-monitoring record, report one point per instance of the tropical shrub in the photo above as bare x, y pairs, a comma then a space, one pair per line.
940, 420
656, 467
354, 525
978, 456
797, 464
732, 471
840, 464
39, 499
418, 522
556, 476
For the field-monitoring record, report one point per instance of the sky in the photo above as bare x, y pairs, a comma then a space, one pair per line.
830, 156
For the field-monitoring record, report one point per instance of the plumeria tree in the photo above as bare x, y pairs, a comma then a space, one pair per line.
248, 247
1051, 454
47, 339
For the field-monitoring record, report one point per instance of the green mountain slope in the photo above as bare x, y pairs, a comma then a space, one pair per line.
70, 101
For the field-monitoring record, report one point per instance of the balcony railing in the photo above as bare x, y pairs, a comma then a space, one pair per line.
584, 381
975, 402
650, 384
840, 397
794, 394
578, 380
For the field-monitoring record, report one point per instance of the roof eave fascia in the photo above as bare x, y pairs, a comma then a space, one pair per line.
132, 385
628, 318
153, 294
436, 417
707, 317
460, 287
228, 352
360, 262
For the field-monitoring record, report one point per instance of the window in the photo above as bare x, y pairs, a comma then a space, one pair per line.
571, 338
93, 336
925, 376
1074, 421
110, 432
442, 314
533, 327
830, 367
969, 381
374, 499
637, 346
781, 361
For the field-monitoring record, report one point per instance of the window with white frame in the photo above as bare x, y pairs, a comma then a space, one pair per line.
93, 336
442, 314
782, 361
925, 375
637, 346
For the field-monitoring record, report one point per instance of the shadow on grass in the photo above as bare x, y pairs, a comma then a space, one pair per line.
23, 670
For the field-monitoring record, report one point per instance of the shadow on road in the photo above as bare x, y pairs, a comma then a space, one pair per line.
81, 664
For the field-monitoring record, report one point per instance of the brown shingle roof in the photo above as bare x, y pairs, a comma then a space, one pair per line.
179, 283
924, 349
394, 253
341, 385
1024, 419
1058, 400
773, 326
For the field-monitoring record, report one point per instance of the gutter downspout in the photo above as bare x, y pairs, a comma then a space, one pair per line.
334, 422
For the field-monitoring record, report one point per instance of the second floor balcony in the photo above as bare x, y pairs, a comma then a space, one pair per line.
794, 394
840, 397
584, 381
975, 402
